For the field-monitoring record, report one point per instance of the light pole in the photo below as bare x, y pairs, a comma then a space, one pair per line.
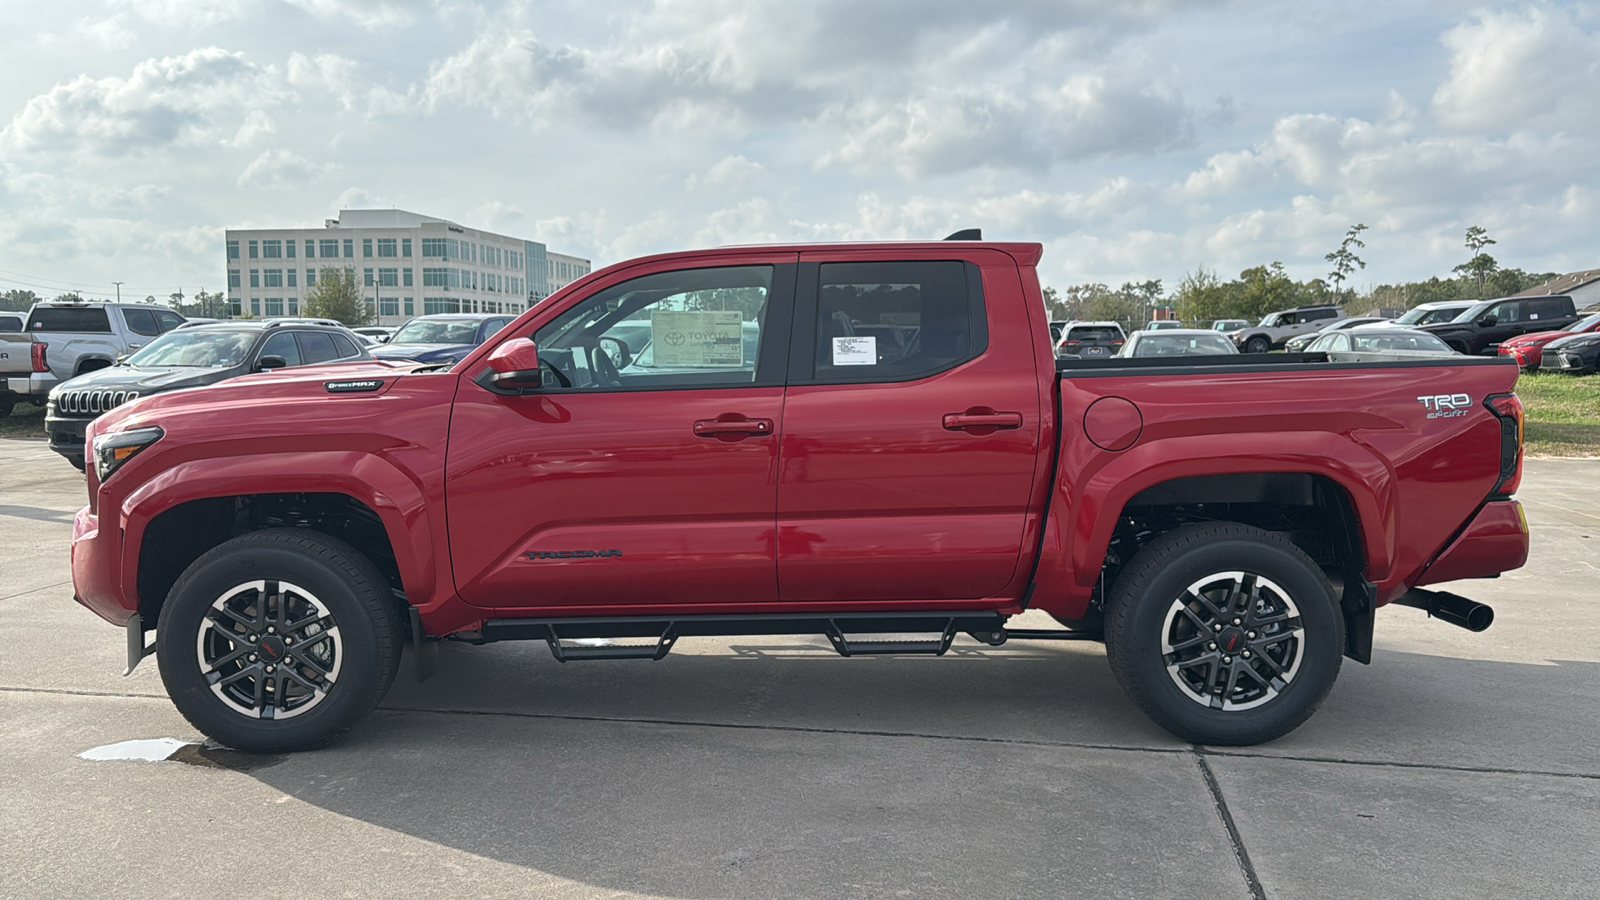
119, 290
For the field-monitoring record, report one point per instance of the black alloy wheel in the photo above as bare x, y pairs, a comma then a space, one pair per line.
1224, 633
1257, 344
278, 640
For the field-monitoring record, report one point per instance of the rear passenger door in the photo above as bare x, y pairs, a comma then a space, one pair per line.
906, 468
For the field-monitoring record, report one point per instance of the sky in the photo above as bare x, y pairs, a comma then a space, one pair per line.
1135, 139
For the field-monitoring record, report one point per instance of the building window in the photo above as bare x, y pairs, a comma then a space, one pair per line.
386, 247
233, 279
255, 306
272, 249
288, 249
235, 308
272, 278
311, 247
411, 308
440, 305
405, 247
274, 306
433, 247
368, 277
291, 273
330, 248
294, 306
311, 277
255, 278
349, 248
452, 248
389, 277
389, 306
434, 278
252, 249
366, 247
233, 250
406, 274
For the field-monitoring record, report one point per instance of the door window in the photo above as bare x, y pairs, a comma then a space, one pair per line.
895, 321
688, 328
347, 347
141, 321
1509, 312
282, 344
316, 347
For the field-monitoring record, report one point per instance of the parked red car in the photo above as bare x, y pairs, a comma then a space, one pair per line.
1526, 350
869, 442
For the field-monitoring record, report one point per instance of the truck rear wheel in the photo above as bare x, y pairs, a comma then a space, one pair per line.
1224, 634
278, 640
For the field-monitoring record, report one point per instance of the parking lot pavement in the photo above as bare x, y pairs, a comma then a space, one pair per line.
1457, 765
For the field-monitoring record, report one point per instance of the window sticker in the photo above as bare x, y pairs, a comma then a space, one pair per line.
855, 351
699, 339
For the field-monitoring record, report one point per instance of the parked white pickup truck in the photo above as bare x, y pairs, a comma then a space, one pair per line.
63, 340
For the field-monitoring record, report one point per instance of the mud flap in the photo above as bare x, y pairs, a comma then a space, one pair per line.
1360, 607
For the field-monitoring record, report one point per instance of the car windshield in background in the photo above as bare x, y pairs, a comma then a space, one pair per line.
1396, 340
1420, 316
1585, 324
1473, 312
203, 349
1093, 333
1184, 345
437, 331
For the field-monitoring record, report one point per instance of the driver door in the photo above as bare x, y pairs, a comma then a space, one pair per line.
643, 472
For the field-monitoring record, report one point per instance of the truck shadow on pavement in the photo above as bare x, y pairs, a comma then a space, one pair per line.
991, 772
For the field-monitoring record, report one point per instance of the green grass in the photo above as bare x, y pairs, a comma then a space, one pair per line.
1563, 414
26, 420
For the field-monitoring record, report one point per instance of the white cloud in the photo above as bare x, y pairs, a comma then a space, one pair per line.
111, 33
1536, 67
188, 99
278, 169
729, 173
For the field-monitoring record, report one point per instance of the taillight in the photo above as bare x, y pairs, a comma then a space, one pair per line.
1509, 410
1070, 343
1117, 340
36, 356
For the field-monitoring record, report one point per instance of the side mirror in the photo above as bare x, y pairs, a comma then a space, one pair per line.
617, 349
515, 365
384, 338
1488, 320
123, 359
268, 363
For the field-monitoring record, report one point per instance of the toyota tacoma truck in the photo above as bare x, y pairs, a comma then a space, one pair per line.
725, 442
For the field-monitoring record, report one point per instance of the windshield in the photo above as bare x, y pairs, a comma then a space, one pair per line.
1398, 340
1588, 324
1474, 311
437, 331
204, 349
1184, 345
1421, 316
1269, 321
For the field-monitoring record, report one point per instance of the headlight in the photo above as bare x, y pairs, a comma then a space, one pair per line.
113, 449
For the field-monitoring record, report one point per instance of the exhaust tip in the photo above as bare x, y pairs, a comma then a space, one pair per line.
1452, 608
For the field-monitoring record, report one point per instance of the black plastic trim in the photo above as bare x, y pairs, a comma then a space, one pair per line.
1285, 362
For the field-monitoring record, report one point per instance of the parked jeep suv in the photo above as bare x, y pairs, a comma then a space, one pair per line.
1278, 327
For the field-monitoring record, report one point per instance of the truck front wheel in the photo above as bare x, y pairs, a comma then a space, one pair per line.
278, 640
1257, 344
1224, 633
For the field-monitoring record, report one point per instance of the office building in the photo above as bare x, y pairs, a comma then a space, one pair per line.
407, 264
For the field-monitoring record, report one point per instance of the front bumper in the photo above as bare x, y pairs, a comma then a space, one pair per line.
66, 436
95, 558
1495, 541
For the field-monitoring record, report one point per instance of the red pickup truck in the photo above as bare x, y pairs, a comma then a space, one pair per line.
869, 442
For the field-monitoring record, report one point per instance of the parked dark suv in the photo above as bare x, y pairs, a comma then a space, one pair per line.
186, 358
1479, 330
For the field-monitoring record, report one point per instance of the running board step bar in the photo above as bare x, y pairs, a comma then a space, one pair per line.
562, 635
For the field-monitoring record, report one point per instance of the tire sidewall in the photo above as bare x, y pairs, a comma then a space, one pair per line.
239, 562
1134, 641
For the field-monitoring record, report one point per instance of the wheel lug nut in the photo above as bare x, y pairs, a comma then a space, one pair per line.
273, 630
290, 640
1245, 654
1250, 634
1235, 621
252, 657
1211, 646
1216, 628
253, 639
289, 660
269, 670
1226, 660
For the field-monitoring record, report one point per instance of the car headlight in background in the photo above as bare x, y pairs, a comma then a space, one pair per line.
113, 449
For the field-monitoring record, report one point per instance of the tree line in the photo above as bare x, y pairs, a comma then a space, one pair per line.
1203, 296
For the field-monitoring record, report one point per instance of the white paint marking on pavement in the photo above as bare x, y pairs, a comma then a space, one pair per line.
151, 750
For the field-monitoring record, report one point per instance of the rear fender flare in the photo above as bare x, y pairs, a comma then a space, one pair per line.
1097, 498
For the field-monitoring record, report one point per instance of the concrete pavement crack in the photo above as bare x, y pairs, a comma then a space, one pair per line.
43, 587
1246, 868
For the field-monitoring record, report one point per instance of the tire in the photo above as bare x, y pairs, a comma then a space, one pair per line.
5, 407
1257, 344
1161, 655
320, 585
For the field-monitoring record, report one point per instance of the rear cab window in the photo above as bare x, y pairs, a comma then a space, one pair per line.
141, 321
70, 319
